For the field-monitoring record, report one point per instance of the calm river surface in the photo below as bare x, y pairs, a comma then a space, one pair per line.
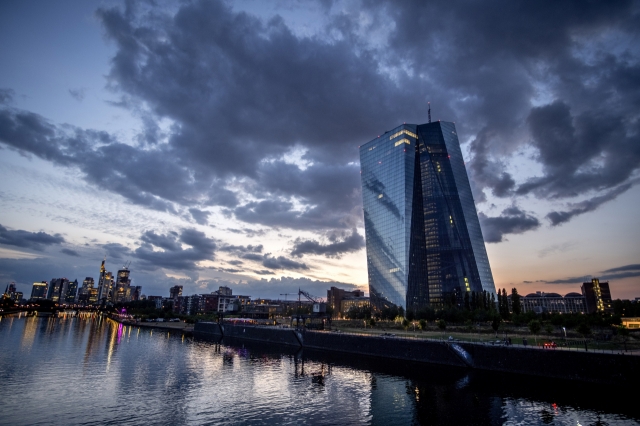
94, 371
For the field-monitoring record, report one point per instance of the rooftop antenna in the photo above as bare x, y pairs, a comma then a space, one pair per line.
429, 103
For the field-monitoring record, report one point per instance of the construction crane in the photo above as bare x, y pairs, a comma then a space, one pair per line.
307, 295
318, 311
287, 294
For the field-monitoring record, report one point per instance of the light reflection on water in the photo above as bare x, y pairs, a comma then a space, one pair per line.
91, 371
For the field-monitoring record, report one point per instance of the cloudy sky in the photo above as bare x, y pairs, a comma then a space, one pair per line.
212, 142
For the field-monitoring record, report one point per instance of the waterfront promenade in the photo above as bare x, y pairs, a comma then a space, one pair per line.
586, 366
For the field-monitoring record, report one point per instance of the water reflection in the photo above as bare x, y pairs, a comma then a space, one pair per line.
137, 376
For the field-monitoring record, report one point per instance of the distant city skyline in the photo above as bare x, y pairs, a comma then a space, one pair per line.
216, 143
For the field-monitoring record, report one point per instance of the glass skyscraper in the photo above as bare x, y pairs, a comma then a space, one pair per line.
424, 243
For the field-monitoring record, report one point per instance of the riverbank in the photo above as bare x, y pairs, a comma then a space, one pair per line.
586, 366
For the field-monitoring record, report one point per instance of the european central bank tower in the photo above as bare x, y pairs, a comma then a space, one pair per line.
424, 242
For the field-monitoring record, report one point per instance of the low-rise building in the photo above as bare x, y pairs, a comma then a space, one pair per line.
353, 302
336, 295
553, 303
631, 323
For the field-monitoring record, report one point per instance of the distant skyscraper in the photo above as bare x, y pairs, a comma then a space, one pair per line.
85, 291
597, 296
58, 288
424, 243
122, 291
71, 293
136, 293
11, 292
105, 284
175, 291
39, 290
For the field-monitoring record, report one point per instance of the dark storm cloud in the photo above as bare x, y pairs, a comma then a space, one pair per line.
264, 272
620, 275
6, 96
116, 250
70, 252
338, 245
240, 249
230, 270
252, 256
240, 92
330, 190
571, 280
557, 218
200, 216
511, 221
30, 240
581, 153
243, 249
280, 213
147, 177
620, 272
489, 66
282, 262
634, 267
172, 255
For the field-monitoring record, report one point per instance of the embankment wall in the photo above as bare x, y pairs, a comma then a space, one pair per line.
583, 366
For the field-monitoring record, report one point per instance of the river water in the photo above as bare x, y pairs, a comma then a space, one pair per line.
93, 371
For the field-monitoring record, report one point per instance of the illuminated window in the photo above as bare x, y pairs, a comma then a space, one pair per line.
401, 141
403, 132
380, 196
394, 270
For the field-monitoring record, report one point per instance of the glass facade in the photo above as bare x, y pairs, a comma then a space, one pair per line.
424, 242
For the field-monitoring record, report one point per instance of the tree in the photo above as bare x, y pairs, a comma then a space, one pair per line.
495, 323
467, 305
584, 329
548, 328
442, 325
423, 324
468, 325
624, 333
515, 302
534, 327
505, 304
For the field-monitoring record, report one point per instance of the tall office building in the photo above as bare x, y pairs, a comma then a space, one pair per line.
105, 284
39, 290
175, 291
71, 293
58, 288
597, 297
122, 291
424, 243
85, 291
136, 293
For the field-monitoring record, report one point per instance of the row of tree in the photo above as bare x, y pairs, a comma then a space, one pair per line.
485, 307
